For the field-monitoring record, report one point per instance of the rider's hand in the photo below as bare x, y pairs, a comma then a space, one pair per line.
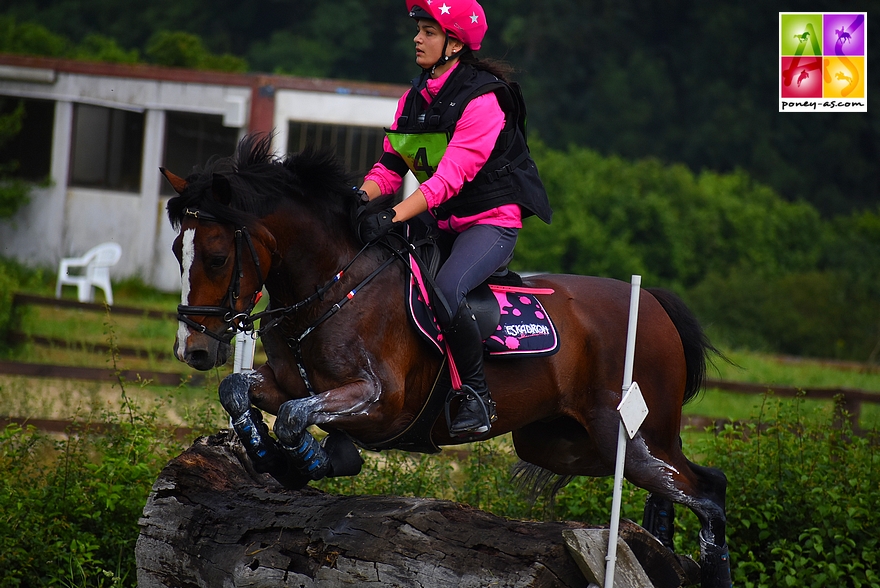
361, 195
375, 225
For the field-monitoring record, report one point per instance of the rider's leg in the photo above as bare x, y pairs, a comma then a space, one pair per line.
477, 410
476, 254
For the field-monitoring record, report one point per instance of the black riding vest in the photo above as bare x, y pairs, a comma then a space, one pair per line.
510, 176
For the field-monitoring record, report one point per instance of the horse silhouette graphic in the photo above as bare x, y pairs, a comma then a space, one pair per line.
841, 76
804, 75
842, 35
803, 38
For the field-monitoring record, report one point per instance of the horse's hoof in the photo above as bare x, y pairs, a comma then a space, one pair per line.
715, 567
290, 478
234, 394
345, 459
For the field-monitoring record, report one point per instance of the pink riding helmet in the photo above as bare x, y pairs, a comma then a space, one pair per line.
463, 19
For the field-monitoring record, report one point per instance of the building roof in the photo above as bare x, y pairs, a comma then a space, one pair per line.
177, 74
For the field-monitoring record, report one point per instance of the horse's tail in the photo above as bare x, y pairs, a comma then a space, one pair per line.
536, 481
695, 342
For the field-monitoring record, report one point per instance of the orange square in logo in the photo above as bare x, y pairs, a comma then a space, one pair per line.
844, 77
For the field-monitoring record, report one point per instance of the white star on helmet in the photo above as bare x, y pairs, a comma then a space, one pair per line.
474, 17
445, 9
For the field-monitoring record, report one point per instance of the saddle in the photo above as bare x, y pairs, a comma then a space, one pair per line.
512, 321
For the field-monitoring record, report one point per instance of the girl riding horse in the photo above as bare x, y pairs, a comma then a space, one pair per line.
477, 178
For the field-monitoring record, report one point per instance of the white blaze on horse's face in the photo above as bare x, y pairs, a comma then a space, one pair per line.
187, 255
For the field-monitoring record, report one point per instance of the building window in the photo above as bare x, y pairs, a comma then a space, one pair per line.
108, 146
358, 147
28, 154
191, 140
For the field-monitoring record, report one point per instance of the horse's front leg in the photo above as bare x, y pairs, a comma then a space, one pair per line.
338, 456
247, 422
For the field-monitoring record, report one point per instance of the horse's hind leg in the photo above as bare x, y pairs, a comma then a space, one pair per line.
710, 509
659, 519
700, 488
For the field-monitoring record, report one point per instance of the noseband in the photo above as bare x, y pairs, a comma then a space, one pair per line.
235, 321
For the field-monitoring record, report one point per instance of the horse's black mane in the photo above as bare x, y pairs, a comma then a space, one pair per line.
258, 181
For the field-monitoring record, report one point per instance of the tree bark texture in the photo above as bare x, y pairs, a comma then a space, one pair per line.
212, 521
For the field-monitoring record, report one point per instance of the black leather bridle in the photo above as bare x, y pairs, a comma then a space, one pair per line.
244, 321
236, 321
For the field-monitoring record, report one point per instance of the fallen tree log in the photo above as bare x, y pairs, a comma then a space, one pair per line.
212, 521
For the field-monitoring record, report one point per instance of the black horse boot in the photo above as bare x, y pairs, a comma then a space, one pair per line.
477, 411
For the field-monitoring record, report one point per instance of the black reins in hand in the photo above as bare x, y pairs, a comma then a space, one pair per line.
244, 321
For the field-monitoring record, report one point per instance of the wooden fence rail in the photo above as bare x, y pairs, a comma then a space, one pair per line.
90, 373
849, 400
67, 372
20, 299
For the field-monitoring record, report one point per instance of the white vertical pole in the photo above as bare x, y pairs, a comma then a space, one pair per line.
247, 358
611, 558
239, 353
244, 352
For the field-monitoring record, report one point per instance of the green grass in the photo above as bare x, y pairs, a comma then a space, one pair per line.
89, 330
795, 482
799, 372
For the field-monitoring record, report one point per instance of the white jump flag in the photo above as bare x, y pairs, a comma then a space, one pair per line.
632, 410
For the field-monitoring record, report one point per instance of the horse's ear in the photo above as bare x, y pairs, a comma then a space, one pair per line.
178, 183
221, 189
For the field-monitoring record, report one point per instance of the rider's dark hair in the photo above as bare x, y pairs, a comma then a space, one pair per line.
496, 67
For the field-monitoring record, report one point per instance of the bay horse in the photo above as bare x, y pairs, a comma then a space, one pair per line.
342, 354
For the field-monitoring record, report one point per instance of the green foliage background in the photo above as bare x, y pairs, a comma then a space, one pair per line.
652, 125
801, 500
760, 272
683, 82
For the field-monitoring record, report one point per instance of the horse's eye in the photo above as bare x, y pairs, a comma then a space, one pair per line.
217, 262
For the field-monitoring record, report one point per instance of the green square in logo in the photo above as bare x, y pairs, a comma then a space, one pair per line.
800, 34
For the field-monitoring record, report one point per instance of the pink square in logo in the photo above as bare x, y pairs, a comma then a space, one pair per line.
801, 77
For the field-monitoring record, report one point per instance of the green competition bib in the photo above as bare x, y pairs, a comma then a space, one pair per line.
421, 151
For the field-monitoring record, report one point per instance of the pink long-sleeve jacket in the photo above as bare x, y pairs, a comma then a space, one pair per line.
475, 135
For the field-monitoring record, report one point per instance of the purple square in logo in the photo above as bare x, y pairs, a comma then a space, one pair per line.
843, 34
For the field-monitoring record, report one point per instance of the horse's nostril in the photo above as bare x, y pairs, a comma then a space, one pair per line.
200, 360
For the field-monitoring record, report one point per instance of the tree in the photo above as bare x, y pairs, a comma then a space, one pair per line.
681, 82
14, 193
181, 49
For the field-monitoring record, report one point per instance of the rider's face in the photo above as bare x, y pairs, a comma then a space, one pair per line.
429, 43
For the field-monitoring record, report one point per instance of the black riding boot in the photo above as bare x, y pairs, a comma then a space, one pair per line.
477, 411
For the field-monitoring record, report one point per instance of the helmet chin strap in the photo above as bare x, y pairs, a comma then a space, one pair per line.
445, 58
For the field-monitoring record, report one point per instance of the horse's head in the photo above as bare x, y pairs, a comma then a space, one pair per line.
223, 263
238, 217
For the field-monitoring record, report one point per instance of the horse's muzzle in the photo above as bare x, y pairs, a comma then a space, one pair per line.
202, 353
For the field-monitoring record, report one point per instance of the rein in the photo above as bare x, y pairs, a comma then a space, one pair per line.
244, 321
295, 343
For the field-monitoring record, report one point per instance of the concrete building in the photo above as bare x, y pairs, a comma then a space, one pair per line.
95, 135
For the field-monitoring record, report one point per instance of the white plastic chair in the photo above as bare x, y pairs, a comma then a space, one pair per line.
89, 271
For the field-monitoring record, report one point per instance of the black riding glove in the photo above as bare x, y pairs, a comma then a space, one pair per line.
376, 225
